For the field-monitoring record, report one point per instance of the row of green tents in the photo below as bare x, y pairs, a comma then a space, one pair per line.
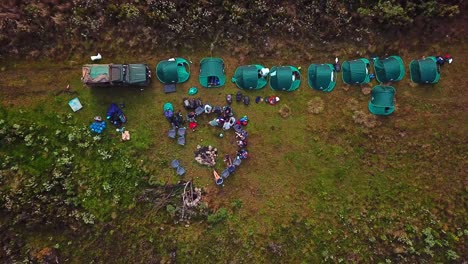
322, 77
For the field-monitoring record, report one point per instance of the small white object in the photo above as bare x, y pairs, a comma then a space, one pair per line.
336, 60
208, 109
264, 72
97, 57
450, 60
75, 104
171, 59
277, 99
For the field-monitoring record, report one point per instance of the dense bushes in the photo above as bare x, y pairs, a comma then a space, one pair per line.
47, 177
391, 13
60, 24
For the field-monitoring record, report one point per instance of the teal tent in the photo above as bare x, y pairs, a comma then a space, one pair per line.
390, 69
175, 70
356, 71
212, 72
247, 77
424, 70
382, 100
322, 77
285, 78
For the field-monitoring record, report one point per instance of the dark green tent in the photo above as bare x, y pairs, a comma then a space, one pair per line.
356, 71
382, 100
247, 77
322, 77
424, 70
285, 78
212, 72
390, 69
175, 70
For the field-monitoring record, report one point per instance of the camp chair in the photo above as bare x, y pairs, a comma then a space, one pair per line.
180, 171
172, 133
238, 128
169, 88
283, 78
356, 71
390, 69
228, 124
181, 131
175, 164
199, 110
382, 100
225, 173
212, 72
247, 77
181, 141
237, 161
321, 77
424, 71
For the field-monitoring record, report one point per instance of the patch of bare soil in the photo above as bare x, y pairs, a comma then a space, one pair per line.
365, 119
316, 105
284, 111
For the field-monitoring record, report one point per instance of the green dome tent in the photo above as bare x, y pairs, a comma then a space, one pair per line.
356, 71
212, 72
382, 100
424, 70
322, 77
175, 70
247, 77
390, 69
285, 78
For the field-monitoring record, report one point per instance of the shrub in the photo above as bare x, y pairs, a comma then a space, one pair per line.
218, 217
129, 11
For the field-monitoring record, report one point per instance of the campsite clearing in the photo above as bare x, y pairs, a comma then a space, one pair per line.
316, 187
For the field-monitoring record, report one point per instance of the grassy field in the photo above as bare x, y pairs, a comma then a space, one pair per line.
338, 186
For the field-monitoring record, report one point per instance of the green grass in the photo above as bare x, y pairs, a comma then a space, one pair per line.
316, 188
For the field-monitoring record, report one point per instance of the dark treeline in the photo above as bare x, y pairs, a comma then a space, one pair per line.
55, 25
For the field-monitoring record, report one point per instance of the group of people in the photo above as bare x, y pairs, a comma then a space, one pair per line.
225, 117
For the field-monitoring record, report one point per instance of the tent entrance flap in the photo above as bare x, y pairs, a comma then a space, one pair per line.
213, 81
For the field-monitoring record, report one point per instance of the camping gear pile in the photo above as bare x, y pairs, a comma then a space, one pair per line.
206, 155
116, 117
194, 104
241, 137
176, 120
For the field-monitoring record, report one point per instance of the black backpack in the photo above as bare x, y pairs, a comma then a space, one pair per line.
238, 97
246, 100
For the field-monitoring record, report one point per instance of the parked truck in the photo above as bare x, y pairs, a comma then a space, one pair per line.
116, 75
